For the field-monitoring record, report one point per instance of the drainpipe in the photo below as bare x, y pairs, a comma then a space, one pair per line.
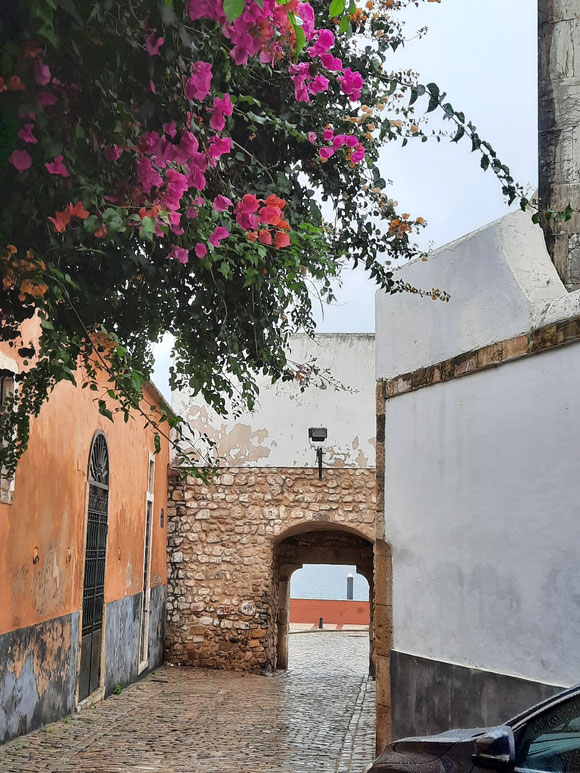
559, 131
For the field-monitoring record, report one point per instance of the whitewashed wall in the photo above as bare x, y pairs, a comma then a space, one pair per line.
483, 515
276, 433
482, 491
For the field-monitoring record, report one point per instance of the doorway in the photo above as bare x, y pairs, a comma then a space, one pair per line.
328, 546
95, 562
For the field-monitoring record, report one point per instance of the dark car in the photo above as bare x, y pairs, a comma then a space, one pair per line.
543, 738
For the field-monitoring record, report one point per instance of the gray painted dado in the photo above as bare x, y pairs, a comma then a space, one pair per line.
122, 642
38, 674
38, 664
429, 696
157, 617
122, 637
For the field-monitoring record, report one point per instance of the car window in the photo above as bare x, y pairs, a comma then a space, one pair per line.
550, 741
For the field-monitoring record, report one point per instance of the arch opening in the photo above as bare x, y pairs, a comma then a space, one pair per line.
329, 546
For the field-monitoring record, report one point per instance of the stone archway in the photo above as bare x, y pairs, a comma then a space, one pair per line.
316, 543
223, 545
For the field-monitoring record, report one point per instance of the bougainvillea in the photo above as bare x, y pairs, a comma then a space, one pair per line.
166, 165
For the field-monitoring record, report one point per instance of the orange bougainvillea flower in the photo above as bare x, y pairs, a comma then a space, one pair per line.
15, 84
61, 219
78, 210
281, 239
274, 201
102, 231
31, 49
30, 288
252, 235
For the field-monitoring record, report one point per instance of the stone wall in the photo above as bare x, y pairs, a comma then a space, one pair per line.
223, 587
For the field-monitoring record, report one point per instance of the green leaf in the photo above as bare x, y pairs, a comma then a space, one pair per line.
233, 9
344, 24
104, 411
336, 8
300, 39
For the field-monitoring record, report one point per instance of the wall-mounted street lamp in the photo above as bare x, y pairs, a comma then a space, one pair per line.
317, 436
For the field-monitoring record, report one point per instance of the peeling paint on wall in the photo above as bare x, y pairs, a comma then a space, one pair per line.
38, 677
276, 433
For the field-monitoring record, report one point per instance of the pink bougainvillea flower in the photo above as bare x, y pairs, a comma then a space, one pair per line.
57, 167
20, 159
198, 86
351, 141
3, 86
324, 42
200, 250
177, 184
170, 129
147, 176
331, 62
218, 235
270, 215
351, 84
328, 134
41, 73
180, 254
339, 141
191, 212
26, 134
318, 85
218, 146
200, 9
152, 87
312, 136
46, 99
174, 221
281, 239
26, 115
264, 236
221, 203
306, 13
153, 44
113, 152
245, 212
221, 108
326, 153
358, 154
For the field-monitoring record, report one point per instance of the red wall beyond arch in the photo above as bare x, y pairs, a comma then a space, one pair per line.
335, 612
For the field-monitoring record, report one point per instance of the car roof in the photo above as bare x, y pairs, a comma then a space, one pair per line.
539, 707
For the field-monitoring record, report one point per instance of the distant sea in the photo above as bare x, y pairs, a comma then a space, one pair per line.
324, 581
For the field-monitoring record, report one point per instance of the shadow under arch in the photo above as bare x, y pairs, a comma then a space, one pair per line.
319, 542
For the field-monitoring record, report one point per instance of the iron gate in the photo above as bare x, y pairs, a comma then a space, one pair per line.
95, 559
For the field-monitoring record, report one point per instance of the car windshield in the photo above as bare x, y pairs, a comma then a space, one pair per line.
550, 741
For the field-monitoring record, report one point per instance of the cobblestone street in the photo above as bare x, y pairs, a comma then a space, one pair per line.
317, 717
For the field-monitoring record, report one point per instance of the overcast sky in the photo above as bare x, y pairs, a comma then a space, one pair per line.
484, 55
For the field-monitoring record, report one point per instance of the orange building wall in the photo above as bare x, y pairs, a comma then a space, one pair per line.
48, 512
335, 612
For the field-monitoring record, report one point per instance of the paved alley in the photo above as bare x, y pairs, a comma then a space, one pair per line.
317, 717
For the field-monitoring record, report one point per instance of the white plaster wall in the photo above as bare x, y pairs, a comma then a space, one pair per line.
501, 281
276, 433
483, 515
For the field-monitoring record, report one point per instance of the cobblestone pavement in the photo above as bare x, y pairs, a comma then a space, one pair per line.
317, 717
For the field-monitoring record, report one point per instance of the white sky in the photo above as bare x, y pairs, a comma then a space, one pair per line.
484, 55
